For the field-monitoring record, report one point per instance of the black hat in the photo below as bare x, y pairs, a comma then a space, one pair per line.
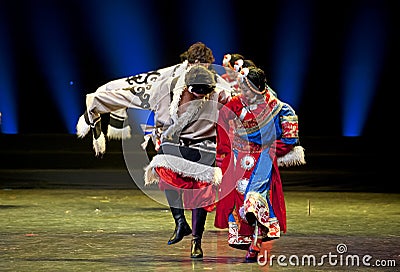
200, 80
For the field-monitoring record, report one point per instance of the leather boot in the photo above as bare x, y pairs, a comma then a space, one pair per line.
199, 217
182, 228
195, 251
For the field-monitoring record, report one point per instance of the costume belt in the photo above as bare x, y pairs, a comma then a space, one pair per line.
189, 142
247, 146
198, 151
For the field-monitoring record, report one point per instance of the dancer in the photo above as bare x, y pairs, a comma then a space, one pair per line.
233, 63
249, 126
185, 103
185, 163
118, 127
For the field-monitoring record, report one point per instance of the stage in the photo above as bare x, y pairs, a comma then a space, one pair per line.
126, 230
62, 209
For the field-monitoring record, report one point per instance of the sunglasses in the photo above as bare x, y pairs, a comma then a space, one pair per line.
200, 88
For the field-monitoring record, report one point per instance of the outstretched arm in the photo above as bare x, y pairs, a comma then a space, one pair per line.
117, 95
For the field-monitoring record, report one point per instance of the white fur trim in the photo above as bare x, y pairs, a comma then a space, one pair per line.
99, 145
82, 128
118, 133
183, 167
176, 98
146, 138
150, 175
293, 158
181, 122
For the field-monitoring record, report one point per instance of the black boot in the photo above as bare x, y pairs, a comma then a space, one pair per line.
182, 228
199, 216
196, 252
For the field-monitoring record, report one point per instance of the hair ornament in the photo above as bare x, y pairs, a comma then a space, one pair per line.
242, 74
226, 61
238, 65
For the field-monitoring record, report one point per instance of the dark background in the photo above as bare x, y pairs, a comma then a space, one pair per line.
167, 28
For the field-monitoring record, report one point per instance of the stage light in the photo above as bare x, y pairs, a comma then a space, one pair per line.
8, 110
291, 50
210, 22
363, 60
52, 45
124, 35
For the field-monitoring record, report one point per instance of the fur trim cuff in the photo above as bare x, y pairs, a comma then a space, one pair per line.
99, 145
118, 133
293, 158
82, 128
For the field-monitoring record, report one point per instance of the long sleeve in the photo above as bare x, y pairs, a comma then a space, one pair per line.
108, 101
130, 92
288, 129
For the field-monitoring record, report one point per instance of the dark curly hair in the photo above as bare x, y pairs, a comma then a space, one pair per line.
257, 78
200, 53
235, 57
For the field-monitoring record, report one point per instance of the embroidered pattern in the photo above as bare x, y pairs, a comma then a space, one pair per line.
256, 204
144, 78
234, 238
243, 145
290, 128
247, 162
241, 185
141, 83
254, 124
140, 92
274, 231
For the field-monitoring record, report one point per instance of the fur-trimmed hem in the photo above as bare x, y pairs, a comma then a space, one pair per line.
183, 167
82, 128
150, 175
294, 158
118, 133
99, 145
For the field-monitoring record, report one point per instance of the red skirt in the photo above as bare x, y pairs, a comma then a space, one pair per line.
196, 194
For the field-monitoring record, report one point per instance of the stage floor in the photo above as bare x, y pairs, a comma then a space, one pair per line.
127, 230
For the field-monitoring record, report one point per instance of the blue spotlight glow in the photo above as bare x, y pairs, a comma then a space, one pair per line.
57, 62
216, 27
123, 35
291, 50
363, 61
8, 111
